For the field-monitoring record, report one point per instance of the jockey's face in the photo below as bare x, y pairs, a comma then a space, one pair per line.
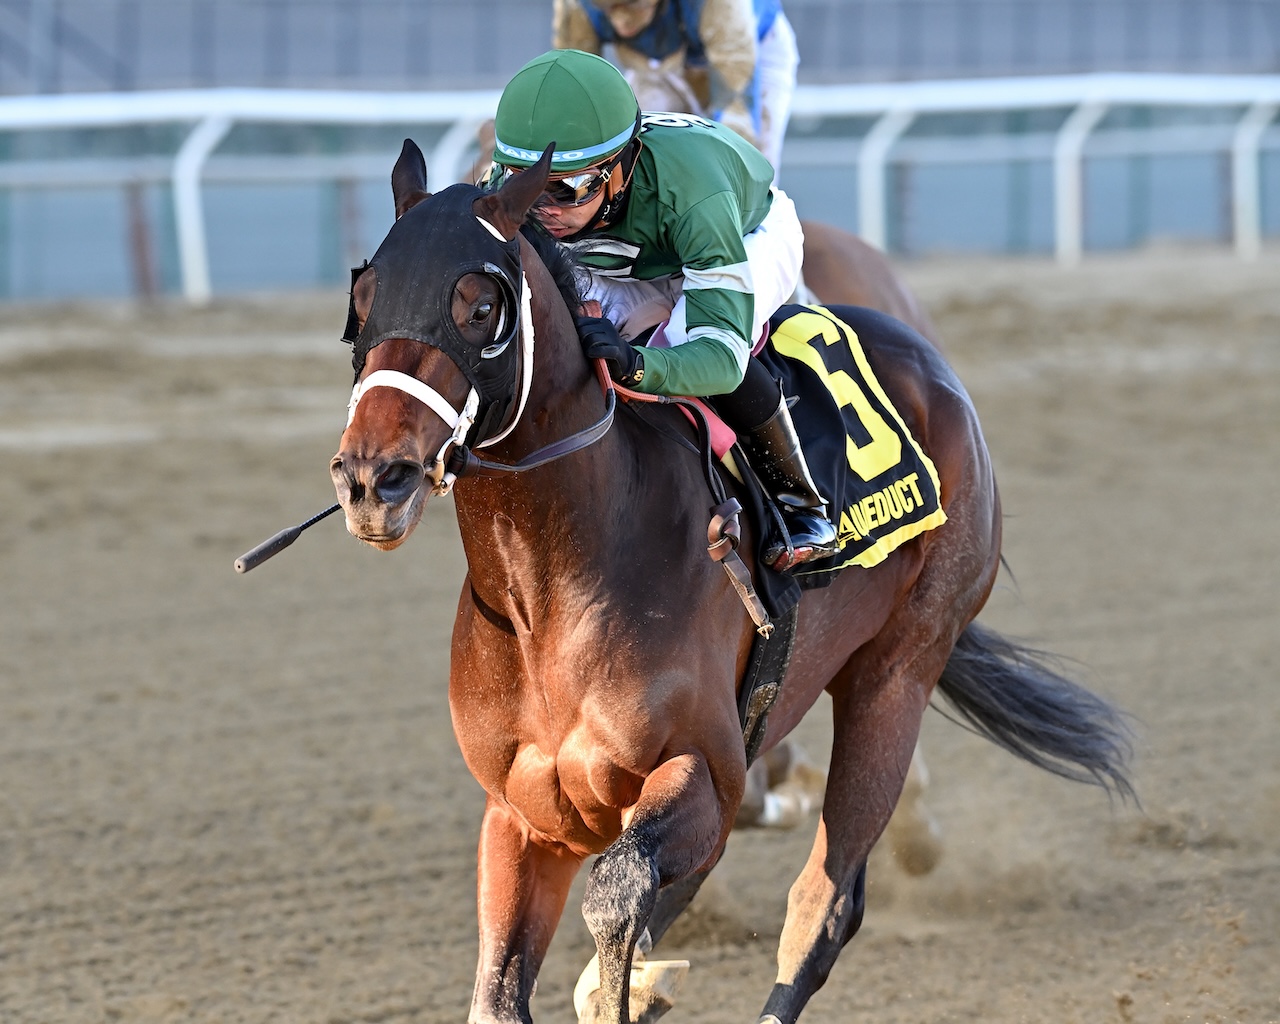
628, 17
571, 201
563, 221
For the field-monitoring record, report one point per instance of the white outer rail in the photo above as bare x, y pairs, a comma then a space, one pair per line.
1245, 186
1068, 180
895, 106
216, 111
193, 253
873, 156
1088, 97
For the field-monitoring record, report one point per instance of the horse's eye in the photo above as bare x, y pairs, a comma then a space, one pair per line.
482, 312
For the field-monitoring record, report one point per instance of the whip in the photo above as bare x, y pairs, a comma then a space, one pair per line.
273, 546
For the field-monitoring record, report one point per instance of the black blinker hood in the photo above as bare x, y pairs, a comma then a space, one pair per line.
424, 255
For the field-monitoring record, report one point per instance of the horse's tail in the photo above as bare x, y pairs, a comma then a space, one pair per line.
1014, 697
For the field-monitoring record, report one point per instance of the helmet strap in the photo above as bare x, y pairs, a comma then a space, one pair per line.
615, 189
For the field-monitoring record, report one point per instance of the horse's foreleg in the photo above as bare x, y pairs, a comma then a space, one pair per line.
676, 830
874, 735
521, 892
655, 979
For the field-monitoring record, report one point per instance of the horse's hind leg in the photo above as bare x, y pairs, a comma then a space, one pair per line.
876, 706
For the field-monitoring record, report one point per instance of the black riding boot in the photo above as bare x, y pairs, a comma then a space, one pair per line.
774, 450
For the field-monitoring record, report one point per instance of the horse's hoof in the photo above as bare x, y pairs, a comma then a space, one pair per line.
654, 986
785, 807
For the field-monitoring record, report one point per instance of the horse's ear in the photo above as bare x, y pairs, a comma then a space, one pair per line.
409, 178
507, 208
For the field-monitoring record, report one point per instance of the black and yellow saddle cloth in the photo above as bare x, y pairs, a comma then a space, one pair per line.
881, 488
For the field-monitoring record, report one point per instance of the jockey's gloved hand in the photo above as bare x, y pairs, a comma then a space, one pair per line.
601, 340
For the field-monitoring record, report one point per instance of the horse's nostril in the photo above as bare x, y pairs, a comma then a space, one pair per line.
345, 481
398, 481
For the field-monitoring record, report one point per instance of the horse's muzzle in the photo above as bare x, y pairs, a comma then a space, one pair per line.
378, 496
389, 483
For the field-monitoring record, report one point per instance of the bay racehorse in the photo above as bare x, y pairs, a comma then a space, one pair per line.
597, 649
840, 269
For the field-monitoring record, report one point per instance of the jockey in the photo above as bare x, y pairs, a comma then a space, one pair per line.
733, 61
671, 216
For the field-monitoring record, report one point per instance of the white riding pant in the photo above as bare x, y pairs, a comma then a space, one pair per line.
775, 250
776, 62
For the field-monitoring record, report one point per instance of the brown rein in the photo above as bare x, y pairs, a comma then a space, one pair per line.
464, 462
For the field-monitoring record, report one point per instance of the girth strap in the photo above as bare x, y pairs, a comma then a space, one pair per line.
766, 669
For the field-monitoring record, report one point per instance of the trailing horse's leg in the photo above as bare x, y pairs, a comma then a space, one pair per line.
751, 810
521, 891
913, 835
877, 704
783, 787
676, 830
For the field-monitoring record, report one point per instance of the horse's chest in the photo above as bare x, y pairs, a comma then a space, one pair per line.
570, 792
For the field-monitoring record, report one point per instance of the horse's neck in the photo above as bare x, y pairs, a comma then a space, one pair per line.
529, 517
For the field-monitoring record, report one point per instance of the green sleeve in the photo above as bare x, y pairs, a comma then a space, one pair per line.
704, 366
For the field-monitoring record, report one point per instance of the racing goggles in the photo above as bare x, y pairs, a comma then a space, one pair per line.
580, 188
575, 189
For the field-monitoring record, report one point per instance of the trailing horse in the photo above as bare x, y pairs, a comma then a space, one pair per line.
598, 651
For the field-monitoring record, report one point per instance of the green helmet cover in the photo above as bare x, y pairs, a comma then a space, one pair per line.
577, 100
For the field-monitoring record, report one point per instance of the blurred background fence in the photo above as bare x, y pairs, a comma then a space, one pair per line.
123, 45
909, 127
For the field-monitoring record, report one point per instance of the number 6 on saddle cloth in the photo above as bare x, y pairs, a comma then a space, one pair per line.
882, 489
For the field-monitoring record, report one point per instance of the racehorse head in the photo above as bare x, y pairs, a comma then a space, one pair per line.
438, 323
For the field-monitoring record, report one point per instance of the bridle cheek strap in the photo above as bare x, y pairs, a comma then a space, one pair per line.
525, 357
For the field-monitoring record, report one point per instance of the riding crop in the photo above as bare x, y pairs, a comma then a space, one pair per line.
274, 545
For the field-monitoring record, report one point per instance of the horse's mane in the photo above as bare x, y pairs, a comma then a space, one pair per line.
559, 261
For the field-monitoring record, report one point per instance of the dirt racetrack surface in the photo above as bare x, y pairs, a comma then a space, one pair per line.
237, 798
